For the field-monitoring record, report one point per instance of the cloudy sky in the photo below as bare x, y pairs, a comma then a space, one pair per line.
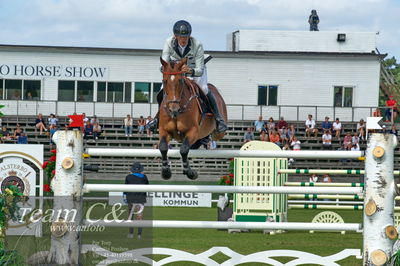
147, 23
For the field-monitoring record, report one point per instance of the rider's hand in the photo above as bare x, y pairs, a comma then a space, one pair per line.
186, 69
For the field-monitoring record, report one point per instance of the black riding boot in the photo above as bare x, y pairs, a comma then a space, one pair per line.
154, 123
221, 125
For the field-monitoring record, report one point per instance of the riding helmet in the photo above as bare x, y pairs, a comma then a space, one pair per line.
182, 28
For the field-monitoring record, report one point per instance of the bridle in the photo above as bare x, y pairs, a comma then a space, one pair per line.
182, 81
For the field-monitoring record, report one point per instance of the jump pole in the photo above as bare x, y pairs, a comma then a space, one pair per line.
219, 189
227, 153
228, 225
323, 184
326, 171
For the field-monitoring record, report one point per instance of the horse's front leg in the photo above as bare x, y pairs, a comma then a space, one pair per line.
165, 170
185, 147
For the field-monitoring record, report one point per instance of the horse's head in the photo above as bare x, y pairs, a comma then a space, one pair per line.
173, 83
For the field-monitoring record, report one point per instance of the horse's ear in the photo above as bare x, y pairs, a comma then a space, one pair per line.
182, 62
163, 63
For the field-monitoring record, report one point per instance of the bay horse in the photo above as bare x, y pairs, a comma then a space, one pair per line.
181, 118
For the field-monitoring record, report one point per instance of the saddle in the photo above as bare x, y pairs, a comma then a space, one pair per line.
202, 99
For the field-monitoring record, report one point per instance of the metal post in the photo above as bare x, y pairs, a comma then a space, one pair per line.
380, 191
67, 186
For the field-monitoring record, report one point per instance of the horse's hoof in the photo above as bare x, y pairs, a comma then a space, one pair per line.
191, 174
166, 173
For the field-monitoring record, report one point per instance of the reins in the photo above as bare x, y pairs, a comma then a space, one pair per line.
193, 94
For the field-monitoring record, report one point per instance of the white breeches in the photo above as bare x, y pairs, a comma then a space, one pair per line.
202, 81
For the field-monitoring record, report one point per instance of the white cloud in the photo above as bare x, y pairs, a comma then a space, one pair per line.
145, 24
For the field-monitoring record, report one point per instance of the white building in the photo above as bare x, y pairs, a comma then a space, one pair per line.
273, 73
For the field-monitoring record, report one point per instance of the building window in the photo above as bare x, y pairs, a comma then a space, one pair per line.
142, 92
13, 89
85, 91
66, 90
343, 96
101, 91
32, 90
128, 92
115, 92
156, 89
267, 95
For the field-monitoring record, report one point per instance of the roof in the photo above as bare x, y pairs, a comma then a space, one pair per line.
152, 52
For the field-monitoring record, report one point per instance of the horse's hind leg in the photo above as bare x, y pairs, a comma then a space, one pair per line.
185, 147
165, 170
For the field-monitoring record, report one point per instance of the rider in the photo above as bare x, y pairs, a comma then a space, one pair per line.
182, 45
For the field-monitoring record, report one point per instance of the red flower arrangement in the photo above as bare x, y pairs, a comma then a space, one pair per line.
47, 188
228, 179
50, 169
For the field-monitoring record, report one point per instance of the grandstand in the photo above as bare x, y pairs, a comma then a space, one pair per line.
209, 169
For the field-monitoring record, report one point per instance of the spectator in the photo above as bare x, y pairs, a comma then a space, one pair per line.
274, 138
393, 130
88, 130
284, 137
361, 129
22, 139
96, 130
264, 136
355, 147
313, 178
249, 135
259, 124
39, 123
53, 121
17, 132
355, 139
347, 141
94, 120
337, 128
295, 144
52, 131
136, 200
141, 125
282, 126
326, 125
310, 127
5, 134
128, 124
291, 133
327, 140
390, 112
327, 179
270, 126
148, 129
85, 119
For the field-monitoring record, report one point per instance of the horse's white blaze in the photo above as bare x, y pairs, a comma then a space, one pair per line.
172, 77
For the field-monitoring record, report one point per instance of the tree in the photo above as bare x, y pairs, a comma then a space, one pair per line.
392, 66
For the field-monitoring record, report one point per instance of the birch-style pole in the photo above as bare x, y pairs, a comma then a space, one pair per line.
379, 195
67, 186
